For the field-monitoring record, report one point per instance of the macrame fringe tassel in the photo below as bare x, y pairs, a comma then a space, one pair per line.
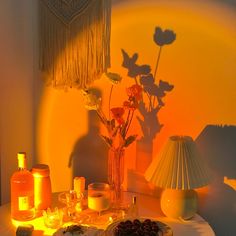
76, 54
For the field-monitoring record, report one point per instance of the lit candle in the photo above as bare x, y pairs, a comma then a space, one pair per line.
79, 185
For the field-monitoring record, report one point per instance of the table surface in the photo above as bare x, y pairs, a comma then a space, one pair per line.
149, 207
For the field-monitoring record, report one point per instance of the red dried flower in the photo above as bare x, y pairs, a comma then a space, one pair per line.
117, 113
134, 92
130, 105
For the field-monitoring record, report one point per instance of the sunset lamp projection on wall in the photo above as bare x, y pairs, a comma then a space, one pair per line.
179, 170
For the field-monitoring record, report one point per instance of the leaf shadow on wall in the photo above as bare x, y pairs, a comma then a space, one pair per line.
89, 155
218, 205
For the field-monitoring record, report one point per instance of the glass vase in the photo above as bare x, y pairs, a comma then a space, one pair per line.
116, 173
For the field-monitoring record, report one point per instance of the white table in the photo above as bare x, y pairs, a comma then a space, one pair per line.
149, 207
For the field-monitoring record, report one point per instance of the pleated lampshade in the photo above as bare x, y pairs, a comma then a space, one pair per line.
178, 166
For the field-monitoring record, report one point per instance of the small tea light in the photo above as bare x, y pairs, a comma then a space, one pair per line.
98, 201
52, 218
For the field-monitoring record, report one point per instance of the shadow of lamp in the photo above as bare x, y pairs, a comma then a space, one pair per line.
178, 169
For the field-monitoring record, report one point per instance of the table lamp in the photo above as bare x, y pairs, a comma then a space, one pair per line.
178, 169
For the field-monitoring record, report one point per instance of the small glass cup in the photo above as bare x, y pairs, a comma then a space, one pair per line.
52, 218
99, 199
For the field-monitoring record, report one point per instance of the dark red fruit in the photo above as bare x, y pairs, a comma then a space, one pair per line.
137, 228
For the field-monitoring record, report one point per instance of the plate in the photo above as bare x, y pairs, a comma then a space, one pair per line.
165, 230
73, 230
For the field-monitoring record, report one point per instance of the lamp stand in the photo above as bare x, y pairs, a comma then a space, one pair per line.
179, 204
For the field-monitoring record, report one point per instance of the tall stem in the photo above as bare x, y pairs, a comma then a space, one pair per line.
126, 124
109, 106
132, 114
157, 63
100, 115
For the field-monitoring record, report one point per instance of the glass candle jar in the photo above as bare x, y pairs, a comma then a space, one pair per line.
99, 196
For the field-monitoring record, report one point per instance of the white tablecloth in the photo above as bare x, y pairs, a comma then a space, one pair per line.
149, 207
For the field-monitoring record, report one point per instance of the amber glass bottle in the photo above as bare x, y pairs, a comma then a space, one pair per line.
22, 191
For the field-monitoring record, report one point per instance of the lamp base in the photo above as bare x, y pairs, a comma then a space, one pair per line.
179, 204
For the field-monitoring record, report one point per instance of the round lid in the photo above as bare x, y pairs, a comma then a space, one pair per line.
41, 169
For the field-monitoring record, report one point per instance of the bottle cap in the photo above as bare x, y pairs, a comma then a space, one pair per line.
21, 156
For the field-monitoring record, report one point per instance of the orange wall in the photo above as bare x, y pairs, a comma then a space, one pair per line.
200, 63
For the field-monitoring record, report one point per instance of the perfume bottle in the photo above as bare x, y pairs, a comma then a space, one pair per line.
133, 211
22, 191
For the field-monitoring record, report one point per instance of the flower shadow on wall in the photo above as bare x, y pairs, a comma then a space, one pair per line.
145, 95
154, 92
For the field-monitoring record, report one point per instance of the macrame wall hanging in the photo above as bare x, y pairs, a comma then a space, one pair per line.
74, 41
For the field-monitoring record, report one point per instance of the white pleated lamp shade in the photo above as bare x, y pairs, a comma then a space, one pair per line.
178, 166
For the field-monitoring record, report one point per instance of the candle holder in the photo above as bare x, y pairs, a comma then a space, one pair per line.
52, 218
73, 201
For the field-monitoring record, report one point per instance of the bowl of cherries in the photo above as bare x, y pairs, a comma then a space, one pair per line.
139, 227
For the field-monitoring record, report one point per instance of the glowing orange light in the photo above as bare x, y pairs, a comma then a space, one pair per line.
38, 224
200, 64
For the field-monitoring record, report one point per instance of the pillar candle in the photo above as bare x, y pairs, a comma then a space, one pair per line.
79, 185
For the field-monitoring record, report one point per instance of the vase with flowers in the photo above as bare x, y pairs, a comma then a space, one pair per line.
117, 123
